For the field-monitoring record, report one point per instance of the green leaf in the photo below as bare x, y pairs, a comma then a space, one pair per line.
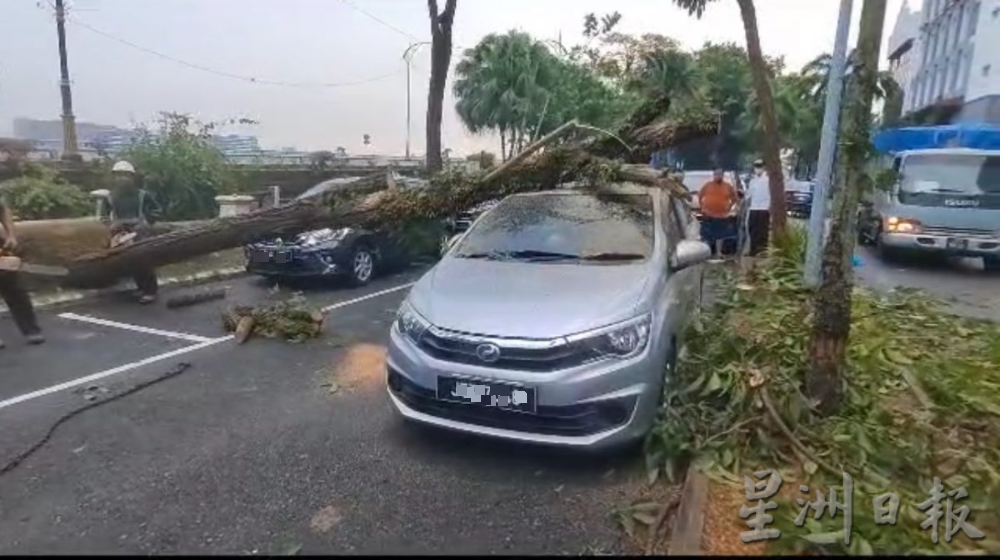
714, 384
896, 357
825, 538
644, 518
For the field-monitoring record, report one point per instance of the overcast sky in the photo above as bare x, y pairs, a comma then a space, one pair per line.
322, 41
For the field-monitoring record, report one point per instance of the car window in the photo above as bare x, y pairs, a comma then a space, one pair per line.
582, 225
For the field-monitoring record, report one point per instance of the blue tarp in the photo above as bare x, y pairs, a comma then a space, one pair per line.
973, 136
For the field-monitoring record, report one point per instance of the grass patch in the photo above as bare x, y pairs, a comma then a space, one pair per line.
922, 400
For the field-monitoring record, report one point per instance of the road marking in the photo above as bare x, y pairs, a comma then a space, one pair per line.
329, 308
202, 343
135, 328
112, 371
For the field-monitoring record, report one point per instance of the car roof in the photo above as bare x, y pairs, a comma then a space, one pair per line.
950, 151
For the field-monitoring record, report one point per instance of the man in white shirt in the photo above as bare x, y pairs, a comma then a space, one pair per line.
759, 220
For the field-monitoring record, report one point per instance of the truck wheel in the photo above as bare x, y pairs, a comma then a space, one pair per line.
887, 254
362, 266
991, 264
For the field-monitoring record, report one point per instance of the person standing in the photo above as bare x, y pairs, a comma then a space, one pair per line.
759, 220
133, 211
717, 199
13, 293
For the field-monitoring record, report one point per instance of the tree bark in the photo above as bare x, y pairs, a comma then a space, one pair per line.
368, 203
440, 61
832, 303
765, 99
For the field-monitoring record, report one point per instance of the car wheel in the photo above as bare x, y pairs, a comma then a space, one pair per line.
362, 266
991, 264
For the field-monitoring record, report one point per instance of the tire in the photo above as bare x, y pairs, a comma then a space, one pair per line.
361, 267
991, 264
887, 254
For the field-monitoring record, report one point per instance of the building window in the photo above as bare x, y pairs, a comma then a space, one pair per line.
974, 19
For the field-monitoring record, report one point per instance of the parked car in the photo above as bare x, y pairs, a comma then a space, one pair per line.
357, 254
459, 224
798, 198
555, 319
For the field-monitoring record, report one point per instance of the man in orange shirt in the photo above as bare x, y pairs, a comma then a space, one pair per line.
717, 199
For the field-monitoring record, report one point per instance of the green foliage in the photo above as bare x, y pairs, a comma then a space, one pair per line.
181, 167
292, 319
40, 194
514, 85
884, 435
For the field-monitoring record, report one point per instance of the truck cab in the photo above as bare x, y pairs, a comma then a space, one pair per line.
941, 200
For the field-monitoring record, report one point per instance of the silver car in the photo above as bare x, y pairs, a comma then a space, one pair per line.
554, 319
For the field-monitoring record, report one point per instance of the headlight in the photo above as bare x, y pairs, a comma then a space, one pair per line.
902, 225
326, 235
623, 340
409, 323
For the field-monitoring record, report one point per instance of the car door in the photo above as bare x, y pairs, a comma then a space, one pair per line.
678, 289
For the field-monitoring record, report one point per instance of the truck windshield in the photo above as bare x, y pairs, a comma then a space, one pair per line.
951, 174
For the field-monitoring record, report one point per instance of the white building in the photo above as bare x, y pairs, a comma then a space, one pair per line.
959, 59
905, 50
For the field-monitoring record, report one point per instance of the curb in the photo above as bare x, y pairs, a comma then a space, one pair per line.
688, 524
78, 296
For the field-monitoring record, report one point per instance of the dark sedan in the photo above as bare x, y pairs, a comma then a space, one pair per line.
798, 198
355, 254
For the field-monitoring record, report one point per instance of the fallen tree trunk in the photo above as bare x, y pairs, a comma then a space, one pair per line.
371, 204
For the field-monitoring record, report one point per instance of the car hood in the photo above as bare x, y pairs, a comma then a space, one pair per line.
528, 300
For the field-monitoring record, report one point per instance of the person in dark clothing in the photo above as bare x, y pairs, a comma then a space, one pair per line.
133, 211
13, 293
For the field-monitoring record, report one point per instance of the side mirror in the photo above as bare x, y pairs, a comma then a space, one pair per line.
690, 253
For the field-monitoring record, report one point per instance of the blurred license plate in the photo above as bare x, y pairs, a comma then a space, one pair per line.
500, 395
261, 257
281, 257
954, 243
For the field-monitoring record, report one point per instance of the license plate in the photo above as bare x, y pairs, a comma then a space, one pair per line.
281, 257
487, 393
261, 256
954, 243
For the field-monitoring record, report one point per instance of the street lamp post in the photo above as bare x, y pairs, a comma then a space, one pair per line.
408, 58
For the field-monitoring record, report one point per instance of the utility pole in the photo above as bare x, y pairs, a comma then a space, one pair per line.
827, 147
408, 58
68, 121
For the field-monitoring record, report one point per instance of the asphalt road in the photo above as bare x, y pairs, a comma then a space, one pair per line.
248, 451
961, 283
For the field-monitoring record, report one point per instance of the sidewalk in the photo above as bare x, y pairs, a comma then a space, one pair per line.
214, 266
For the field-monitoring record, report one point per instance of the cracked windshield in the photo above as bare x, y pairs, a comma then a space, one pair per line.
532, 277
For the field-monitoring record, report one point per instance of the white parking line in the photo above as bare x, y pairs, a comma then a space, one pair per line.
135, 328
329, 308
112, 371
202, 343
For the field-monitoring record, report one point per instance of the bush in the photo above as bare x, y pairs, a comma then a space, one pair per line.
921, 401
181, 167
42, 195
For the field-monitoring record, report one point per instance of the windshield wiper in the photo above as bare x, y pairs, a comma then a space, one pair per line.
533, 255
613, 257
945, 190
490, 255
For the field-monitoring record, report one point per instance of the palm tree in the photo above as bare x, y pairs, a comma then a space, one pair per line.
762, 87
816, 72
505, 84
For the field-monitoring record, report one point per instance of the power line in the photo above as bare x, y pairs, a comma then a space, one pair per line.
357, 8
251, 79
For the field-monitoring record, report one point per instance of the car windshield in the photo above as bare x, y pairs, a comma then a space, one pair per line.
966, 175
555, 227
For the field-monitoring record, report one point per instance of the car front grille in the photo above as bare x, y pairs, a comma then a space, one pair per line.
461, 348
960, 232
572, 420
